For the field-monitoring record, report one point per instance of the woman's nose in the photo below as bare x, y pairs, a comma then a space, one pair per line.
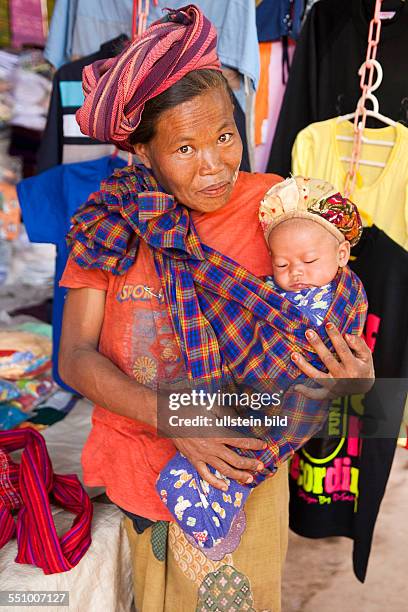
211, 162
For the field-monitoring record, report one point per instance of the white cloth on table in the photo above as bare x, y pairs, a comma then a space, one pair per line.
103, 578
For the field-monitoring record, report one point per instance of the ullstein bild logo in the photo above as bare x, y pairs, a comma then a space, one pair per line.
229, 421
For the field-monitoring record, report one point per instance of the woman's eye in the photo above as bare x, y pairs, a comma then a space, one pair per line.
185, 149
225, 138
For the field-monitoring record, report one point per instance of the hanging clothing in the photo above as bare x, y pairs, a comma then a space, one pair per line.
31, 96
73, 20
58, 49
337, 485
10, 216
309, 4
25, 143
62, 140
262, 94
269, 97
277, 18
382, 266
28, 488
324, 81
48, 201
28, 22
381, 194
235, 22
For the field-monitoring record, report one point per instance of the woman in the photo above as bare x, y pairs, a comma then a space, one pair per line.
166, 100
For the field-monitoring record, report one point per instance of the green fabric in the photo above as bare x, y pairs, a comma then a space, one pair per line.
159, 539
225, 589
34, 327
50, 8
47, 416
4, 24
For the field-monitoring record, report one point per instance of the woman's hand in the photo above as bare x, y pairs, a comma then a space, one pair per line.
352, 360
215, 452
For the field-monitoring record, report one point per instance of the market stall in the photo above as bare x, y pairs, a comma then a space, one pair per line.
319, 89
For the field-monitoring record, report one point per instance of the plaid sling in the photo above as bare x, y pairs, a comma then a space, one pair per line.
229, 324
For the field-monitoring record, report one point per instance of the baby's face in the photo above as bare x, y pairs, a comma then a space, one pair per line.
305, 255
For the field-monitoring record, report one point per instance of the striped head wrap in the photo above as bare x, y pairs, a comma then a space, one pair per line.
117, 89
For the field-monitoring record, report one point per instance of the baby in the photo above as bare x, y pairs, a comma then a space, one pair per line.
309, 228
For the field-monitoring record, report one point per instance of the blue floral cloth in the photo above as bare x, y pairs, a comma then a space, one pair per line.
203, 512
314, 303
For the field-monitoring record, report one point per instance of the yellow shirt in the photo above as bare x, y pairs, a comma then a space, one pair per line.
381, 194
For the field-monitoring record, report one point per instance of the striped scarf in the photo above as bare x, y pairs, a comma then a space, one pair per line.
117, 89
29, 488
228, 323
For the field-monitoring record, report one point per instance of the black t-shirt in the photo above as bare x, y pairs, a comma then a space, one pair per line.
337, 485
324, 82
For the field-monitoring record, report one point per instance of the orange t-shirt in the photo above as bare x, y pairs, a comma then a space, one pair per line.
122, 454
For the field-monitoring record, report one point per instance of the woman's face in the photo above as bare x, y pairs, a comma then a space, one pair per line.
196, 151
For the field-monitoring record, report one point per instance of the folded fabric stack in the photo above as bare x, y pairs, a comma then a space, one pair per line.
25, 372
23, 354
31, 91
9, 211
27, 275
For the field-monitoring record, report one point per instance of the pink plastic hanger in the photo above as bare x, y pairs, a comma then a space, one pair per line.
366, 73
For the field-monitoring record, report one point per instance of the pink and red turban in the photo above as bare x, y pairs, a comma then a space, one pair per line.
117, 89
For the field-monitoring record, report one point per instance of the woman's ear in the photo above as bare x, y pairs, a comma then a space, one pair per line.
344, 253
142, 152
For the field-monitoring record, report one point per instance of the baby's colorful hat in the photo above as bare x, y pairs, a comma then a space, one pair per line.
314, 199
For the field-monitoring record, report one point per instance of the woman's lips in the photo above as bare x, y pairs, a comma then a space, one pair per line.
215, 190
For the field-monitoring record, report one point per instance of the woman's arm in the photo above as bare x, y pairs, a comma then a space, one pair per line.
82, 367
